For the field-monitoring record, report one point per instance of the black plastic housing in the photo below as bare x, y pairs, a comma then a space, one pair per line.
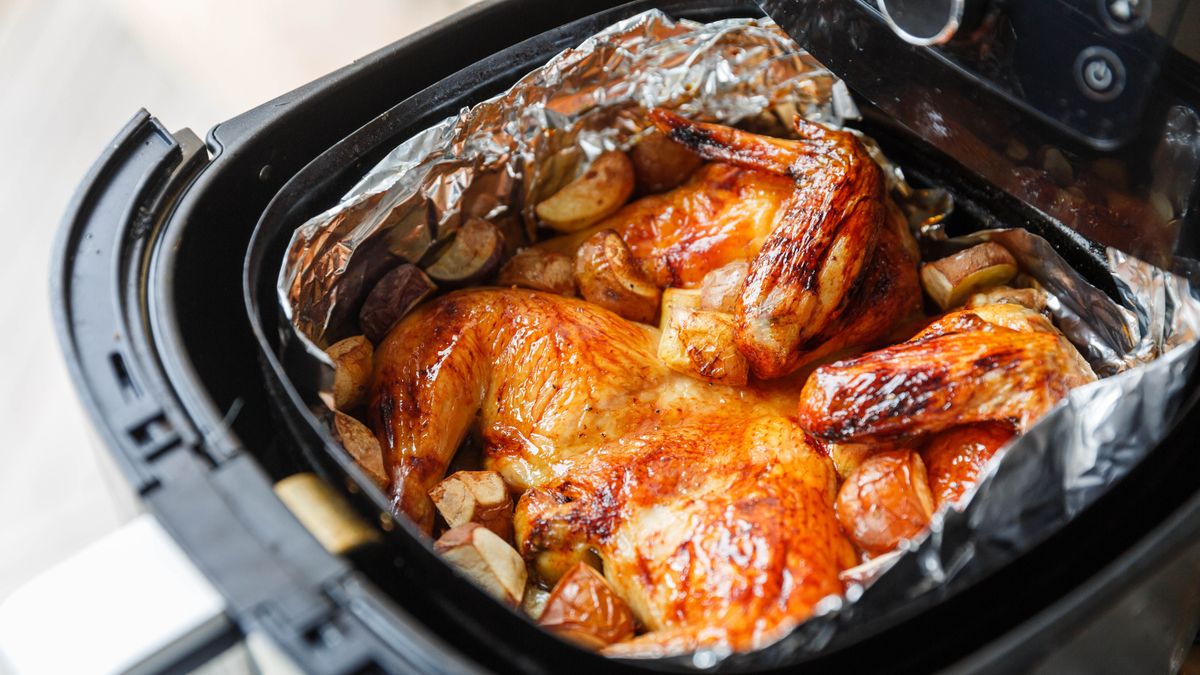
166, 309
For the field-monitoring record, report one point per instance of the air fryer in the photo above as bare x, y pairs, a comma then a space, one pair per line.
166, 308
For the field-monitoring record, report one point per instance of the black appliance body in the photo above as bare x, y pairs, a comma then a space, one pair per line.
165, 302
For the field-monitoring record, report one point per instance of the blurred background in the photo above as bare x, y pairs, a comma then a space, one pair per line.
72, 72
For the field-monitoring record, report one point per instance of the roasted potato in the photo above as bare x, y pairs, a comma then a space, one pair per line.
475, 497
583, 608
540, 270
608, 275
486, 559
352, 365
886, 500
699, 343
721, 287
551, 565
472, 256
660, 163
953, 279
396, 294
601, 190
361, 444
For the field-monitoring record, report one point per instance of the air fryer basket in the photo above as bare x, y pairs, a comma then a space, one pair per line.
479, 626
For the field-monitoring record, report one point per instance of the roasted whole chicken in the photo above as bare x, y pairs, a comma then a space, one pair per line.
719, 513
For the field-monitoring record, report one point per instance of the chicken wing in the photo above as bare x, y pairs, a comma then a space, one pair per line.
801, 280
1002, 363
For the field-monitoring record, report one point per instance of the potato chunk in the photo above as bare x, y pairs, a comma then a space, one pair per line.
485, 559
887, 499
361, 444
396, 294
471, 257
540, 270
352, 364
721, 287
475, 497
584, 609
600, 191
953, 279
660, 163
608, 275
699, 343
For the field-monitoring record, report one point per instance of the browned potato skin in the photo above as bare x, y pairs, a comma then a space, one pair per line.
471, 257
955, 457
394, 296
607, 275
361, 444
352, 365
486, 559
887, 499
601, 190
660, 163
540, 270
953, 279
585, 610
475, 497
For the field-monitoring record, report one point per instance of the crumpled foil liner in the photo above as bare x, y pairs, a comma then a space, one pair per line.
500, 157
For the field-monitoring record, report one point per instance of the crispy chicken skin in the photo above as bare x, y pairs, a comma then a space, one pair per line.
955, 458
1003, 363
539, 376
713, 515
718, 531
721, 214
802, 278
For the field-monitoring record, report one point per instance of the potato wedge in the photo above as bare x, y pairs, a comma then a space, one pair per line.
551, 565
475, 497
396, 294
887, 499
362, 445
486, 559
584, 609
700, 343
608, 275
601, 190
720, 288
473, 255
540, 270
660, 163
953, 279
352, 365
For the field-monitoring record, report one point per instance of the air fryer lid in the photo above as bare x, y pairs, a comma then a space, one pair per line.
939, 563
1080, 110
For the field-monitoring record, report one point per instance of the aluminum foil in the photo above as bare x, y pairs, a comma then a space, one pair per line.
500, 157
496, 160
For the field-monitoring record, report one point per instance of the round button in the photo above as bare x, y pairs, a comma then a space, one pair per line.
1124, 16
1099, 73
925, 22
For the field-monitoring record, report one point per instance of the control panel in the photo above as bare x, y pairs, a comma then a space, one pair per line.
1084, 65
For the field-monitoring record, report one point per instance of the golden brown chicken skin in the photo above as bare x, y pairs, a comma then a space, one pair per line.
711, 512
721, 214
997, 363
718, 531
539, 376
802, 279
